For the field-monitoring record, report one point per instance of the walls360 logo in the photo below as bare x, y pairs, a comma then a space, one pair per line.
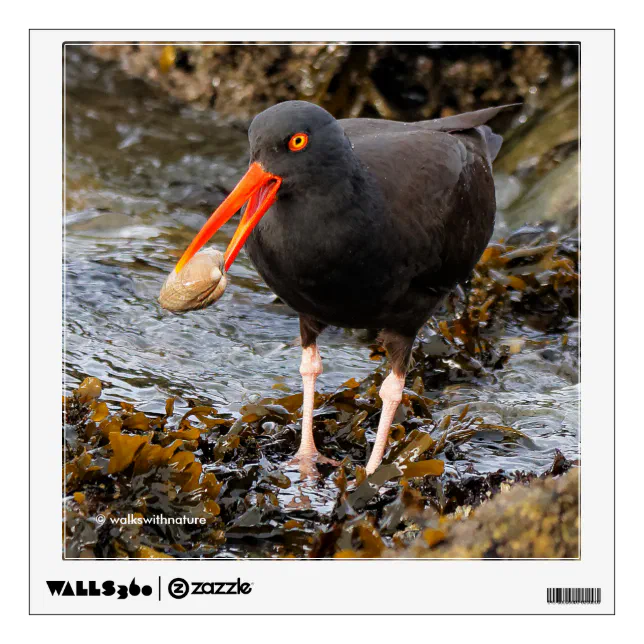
93, 589
180, 588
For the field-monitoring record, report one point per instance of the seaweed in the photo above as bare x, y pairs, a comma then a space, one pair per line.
211, 484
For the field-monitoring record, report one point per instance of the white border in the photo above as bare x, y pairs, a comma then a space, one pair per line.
405, 578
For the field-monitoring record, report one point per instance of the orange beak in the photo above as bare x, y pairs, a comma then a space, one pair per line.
259, 188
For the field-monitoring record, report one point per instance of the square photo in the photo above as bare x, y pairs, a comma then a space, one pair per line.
321, 301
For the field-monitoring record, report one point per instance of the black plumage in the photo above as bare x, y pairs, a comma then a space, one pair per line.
376, 220
361, 223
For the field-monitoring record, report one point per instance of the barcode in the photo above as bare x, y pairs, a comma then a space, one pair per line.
574, 595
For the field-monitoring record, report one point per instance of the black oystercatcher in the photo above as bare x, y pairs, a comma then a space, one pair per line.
361, 223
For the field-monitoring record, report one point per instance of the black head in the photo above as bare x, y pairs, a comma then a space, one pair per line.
301, 143
297, 150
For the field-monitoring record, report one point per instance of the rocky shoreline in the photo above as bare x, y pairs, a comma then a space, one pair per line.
394, 81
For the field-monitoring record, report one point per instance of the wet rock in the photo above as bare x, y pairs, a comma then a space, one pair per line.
538, 521
537, 171
533, 144
553, 199
409, 82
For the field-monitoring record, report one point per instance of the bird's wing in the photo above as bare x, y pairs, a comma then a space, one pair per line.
410, 161
366, 131
438, 174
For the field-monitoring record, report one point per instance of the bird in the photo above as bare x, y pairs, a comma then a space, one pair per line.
361, 223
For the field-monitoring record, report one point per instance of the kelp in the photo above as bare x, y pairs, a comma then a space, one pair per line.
524, 286
225, 480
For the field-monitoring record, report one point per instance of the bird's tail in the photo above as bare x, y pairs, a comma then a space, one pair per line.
474, 121
494, 141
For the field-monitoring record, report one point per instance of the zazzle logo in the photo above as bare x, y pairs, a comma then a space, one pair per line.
180, 588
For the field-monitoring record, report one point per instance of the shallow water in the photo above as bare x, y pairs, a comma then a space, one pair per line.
142, 175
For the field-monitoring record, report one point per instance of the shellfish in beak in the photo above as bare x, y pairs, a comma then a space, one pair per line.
200, 283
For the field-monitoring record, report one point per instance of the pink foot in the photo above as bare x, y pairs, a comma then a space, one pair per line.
308, 462
316, 457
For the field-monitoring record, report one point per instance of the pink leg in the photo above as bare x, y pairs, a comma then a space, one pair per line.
391, 394
307, 455
310, 368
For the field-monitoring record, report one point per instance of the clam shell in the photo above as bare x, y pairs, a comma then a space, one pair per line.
201, 282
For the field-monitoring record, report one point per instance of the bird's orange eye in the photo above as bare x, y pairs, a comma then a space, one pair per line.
298, 142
